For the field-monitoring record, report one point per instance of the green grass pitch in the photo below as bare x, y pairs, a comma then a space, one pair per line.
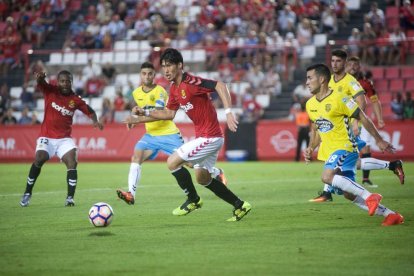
284, 234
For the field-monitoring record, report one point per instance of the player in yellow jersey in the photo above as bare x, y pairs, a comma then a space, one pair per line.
330, 113
160, 135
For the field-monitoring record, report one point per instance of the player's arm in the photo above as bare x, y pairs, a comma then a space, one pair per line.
314, 141
376, 106
224, 95
370, 127
362, 103
94, 118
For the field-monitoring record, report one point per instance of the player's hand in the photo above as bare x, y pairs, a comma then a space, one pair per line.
232, 122
308, 154
40, 75
385, 146
137, 111
131, 120
381, 124
355, 129
130, 126
98, 124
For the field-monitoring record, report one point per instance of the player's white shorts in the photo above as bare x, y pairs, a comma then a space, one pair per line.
55, 146
202, 152
366, 137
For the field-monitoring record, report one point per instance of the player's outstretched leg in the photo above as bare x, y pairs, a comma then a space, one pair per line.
393, 219
31, 180
397, 167
70, 202
193, 202
241, 211
187, 207
126, 196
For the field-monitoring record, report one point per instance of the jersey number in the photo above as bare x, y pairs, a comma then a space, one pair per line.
44, 141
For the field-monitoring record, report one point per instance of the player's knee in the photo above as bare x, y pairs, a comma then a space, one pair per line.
71, 164
203, 178
327, 178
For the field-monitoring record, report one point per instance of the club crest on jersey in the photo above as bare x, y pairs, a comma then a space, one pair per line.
71, 104
328, 107
183, 95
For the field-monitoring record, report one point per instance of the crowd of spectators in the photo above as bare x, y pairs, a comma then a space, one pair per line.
402, 107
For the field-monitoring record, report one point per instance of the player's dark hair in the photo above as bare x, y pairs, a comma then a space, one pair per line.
340, 53
172, 56
67, 73
354, 59
147, 65
320, 70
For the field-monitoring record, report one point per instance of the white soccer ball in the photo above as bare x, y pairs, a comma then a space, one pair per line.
101, 214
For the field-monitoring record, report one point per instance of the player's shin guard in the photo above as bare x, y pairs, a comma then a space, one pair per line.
183, 177
224, 193
72, 180
134, 177
31, 179
365, 173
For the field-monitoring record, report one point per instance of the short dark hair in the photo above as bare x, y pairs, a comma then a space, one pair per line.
171, 55
320, 70
340, 53
147, 65
354, 59
67, 73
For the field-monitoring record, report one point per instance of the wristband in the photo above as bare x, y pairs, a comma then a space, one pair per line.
227, 110
146, 112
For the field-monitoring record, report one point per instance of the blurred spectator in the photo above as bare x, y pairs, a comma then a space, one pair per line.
94, 87
117, 28
329, 21
8, 118
35, 120
27, 98
368, 37
382, 47
38, 30
252, 111
342, 12
109, 72
301, 94
107, 115
255, 76
397, 40
10, 48
408, 106
376, 17
25, 119
305, 31
79, 83
91, 70
303, 125
407, 15
91, 15
397, 106
119, 102
274, 44
226, 70
292, 46
143, 27
272, 85
286, 19
130, 102
48, 20
104, 12
5, 99
353, 42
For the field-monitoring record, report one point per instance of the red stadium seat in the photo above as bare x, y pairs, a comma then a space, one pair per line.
392, 72
377, 72
385, 98
393, 22
409, 85
397, 85
392, 12
381, 85
407, 72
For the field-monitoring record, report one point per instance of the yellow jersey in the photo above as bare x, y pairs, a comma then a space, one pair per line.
348, 86
155, 99
332, 118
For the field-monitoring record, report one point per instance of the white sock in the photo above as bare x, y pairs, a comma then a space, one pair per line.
326, 188
373, 164
381, 210
215, 172
133, 177
347, 185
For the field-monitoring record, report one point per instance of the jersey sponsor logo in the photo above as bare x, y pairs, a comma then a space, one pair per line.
183, 95
324, 125
62, 109
313, 110
186, 107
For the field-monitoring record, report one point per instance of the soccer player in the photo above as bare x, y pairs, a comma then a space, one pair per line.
191, 93
368, 163
161, 135
55, 134
330, 112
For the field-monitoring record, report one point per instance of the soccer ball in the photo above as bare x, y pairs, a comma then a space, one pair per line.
101, 214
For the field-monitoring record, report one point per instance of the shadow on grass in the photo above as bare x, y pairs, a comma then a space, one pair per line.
101, 234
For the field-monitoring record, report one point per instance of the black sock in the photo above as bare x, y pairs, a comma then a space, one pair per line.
221, 190
184, 180
365, 173
31, 179
72, 180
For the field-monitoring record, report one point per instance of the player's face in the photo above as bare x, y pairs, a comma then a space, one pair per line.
147, 76
337, 64
312, 82
65, 84
171, 71
353, 67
